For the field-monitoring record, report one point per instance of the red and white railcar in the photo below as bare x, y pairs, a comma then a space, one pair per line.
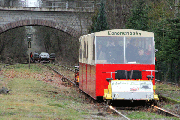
118, 64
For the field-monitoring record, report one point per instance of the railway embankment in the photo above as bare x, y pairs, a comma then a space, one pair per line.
169, 92
171, 95
38, 93
132, 113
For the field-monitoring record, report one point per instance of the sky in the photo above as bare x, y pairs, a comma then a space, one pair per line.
31, 3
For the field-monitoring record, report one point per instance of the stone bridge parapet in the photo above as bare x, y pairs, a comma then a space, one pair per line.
74, 22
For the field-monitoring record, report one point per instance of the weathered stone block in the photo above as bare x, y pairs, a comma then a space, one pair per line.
63, 20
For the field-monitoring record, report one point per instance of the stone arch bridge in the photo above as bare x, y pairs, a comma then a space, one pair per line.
72, 21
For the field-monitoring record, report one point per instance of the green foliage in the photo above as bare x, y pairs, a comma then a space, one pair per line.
146, 115
168, 44
169, 92
139, 16
159, 11
99, 21
94, 19
158, 16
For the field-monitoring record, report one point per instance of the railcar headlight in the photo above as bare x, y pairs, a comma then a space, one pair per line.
116, 95
108, 79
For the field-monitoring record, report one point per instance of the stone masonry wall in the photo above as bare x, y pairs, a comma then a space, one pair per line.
67, 21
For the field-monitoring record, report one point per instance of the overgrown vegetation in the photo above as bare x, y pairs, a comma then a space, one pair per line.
55, 41
99, 20
171, 92
12, 46
148, 116
32, 98
158, 16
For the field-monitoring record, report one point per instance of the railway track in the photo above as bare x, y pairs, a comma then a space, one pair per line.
118, 112
71, 81
165, 112
63, 76
113, 109
155, 109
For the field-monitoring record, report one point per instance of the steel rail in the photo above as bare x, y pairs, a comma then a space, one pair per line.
66, 67
63, 76
166, 111
112, 108
118, 112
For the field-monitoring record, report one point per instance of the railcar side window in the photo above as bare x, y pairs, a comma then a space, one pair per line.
87, 51
84, 52
80, 52
93, 49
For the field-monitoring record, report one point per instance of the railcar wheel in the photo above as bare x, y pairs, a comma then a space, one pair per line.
108, 102
155, 102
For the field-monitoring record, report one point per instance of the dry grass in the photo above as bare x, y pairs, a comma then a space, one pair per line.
38, 93
171, 91
32, 96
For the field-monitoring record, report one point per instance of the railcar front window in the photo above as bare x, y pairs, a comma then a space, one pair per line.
124, 50
139, 50
109, 50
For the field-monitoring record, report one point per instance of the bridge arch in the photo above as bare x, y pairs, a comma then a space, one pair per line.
40, 22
